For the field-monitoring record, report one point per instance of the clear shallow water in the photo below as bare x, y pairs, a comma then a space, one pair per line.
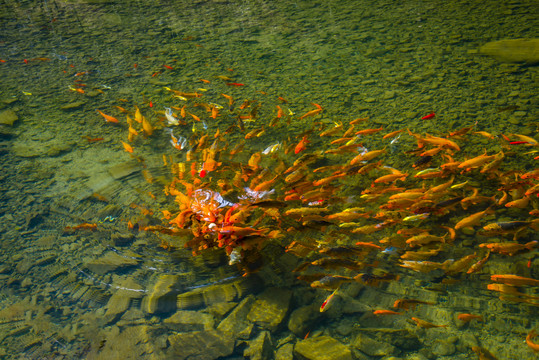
392, 62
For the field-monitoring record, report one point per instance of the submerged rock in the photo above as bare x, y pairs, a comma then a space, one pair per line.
110, 262
322, 348
513, 50
372, 347
235, 325
8, 117
260, 348
162, 297
201, 345
302, 320
120, 301
184, 320
270, 308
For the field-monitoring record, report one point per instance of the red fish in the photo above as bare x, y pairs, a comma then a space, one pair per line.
301, 145
429, 116
234, 84
518, 142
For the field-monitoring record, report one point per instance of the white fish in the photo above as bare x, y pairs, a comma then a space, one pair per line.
179, 142
271, 149
171, 119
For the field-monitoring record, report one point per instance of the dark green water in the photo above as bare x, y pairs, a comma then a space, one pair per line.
92, 295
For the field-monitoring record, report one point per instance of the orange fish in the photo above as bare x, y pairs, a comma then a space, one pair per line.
469, 317
426, 324
386, 312
147, 127
127, 147
407, 304
108, 118
514, 280
327, 303
531, 335
301, 145
369, 131
312, 112
81, 226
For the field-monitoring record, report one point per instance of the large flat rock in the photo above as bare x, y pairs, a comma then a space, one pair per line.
322, 348
513, 50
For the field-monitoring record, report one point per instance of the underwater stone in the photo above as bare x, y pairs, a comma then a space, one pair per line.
124, 169
372, 347
236, 325
270, 308
72, 105
184, 321
513, 50
122, 239
110, 262
119, 301
260, 348
302, 319
162, 298
285, 352
220, 309
443, 348
8, 117
201, 345
402, 339
322, 348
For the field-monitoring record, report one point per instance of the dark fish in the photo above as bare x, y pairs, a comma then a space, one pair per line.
422, 161
448, 202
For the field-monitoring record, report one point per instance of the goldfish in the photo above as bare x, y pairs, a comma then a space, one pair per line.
534, 174
408, 304
425, 266
240, 231
369, 131
469, 317
514, 280
108, 118
81, 226
529, 340
171, 119
526, 139
429, 116
147, 127
478, 265
127, 147
473, 219
312, 112
413, 218
327, 303
391, 178
433, 140
509, 248
425, 324
333, 130
519, 203
329, 263
301, 145
517, 228
386, 312
483, 353
424, 238
476, 161
367, 156
331, 282
304, 211
392, 134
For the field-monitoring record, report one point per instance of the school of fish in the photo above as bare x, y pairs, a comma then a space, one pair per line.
356, 202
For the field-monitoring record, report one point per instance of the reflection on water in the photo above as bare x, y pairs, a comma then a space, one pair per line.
77, 281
